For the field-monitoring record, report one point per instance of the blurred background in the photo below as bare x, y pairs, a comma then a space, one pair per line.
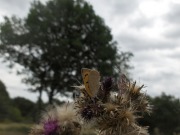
44, 44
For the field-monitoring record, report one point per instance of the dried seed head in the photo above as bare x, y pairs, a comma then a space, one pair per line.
87, 113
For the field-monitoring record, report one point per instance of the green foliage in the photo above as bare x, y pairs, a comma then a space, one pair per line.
55, 41
26, 107
7, 111
4, 102
165, 117
14, 114
3, 93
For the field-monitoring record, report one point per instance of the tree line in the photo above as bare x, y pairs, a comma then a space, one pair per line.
18, 109
164, 119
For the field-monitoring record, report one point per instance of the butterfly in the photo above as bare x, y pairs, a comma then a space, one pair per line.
91, 79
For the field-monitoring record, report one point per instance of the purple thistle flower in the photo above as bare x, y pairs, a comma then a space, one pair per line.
104, 92
107, 84
50, 127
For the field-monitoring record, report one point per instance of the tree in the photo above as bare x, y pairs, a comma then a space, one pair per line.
165, 115
55, 41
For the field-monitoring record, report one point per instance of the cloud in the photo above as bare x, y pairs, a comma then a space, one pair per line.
173, 15
158, 71
14, 7
156, 57
137, 41
120, 7
173, 32
172, 19
141, 21
124, 7
141, 31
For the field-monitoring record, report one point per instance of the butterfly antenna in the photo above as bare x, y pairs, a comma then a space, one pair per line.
78, 81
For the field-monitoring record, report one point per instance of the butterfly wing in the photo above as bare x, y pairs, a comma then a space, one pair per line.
94, 82
85, 75
91, 80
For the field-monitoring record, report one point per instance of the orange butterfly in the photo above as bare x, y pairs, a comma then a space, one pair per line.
91, 79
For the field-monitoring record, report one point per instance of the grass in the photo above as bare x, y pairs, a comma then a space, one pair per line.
14, 129
23, 129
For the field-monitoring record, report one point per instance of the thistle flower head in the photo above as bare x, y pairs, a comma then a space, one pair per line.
104, 91
50, 127
87, 113
57, 120
107, 83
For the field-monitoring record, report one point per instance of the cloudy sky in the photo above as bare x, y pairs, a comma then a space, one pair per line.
148, 28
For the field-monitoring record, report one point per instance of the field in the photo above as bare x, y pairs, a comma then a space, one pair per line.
14, 129
23, 129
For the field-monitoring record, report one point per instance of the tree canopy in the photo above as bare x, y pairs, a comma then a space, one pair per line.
55, 41
165, 118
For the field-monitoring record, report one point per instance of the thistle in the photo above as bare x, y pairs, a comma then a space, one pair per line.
117, 113
58, 120
109, 113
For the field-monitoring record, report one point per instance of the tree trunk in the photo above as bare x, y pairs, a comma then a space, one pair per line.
40, 100
51, 94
